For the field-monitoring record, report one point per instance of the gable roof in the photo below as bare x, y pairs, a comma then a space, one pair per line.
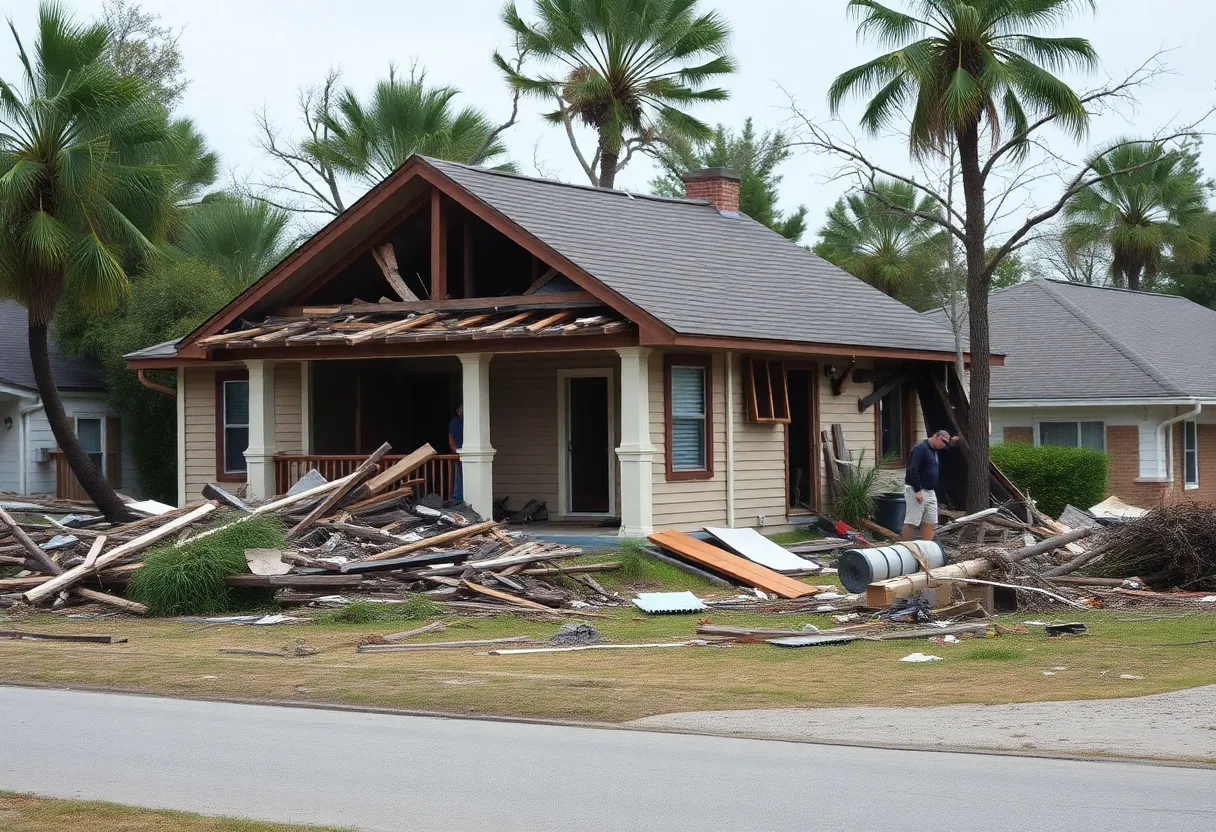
674, 266
1071, 341
699, 271
15, 367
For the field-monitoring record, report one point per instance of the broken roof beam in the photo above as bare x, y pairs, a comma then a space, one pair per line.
568, 300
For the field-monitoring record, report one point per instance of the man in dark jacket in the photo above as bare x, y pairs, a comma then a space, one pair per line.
920, 485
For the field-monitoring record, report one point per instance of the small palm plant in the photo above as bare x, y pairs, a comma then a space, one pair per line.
857, 487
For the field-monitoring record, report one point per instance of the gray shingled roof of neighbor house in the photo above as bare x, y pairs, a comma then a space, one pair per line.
15, 367
165, 349
1071, 341
699, 271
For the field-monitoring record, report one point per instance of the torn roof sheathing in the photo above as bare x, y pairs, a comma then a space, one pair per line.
334, 326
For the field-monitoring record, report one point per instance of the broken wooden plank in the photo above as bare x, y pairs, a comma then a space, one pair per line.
401, 469
87, 639
508, 609
360, 473
294, 581
94, 552
512, 320
548, 321
439, 645
211, 491
439, 539
520, 650
36, 554
407, 561
723, 562
606, 566
79, 573
433, 627
112, 600
505, 596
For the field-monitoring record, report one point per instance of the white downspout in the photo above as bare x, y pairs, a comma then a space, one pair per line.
1167, 462
23, 452
730, 439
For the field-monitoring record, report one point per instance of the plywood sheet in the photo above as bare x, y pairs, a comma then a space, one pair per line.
723, 562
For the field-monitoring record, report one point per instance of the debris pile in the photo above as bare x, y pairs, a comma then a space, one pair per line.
363, 534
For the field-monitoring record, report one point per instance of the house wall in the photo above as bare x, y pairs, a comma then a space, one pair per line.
197, 385
10, 444
525, 423
1131, 447
40, 476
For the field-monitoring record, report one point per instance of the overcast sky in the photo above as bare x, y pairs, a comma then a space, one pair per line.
243, 54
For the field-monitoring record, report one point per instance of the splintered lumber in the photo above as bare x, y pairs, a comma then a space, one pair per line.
929, 632
881, 531
519, 650
284, 502
439, 645
364, 532
294, 581
439, 539
606, 566
499, 609
759, 633
433, 627
496, 564
17, 634
94, 552
79, 573
112, 600
505, 596
723, 562
360, 473
40, 557
451, 556
401, 469
211, 491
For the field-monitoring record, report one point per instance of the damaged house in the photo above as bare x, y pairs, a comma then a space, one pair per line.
625, 359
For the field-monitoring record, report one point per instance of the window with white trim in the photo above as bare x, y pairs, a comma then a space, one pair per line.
1090, 435
1190, 454
236, 425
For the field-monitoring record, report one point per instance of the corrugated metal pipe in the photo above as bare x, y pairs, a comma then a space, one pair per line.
858, 568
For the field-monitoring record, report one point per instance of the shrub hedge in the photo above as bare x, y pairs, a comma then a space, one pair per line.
1055, 476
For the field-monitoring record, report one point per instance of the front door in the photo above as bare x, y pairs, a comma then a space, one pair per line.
588, 445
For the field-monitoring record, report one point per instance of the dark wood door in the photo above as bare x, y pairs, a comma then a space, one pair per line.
588, 447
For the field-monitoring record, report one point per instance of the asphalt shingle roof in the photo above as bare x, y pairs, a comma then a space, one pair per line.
15, 367
1072, 341
699, 271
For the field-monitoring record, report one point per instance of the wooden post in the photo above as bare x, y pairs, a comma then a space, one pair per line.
439, 248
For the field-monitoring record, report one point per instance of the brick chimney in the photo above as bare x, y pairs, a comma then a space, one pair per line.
717, 186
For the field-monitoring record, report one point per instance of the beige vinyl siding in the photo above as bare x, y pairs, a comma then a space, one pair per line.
760, 473
199, 391
287, 409
860, 433
686, 505
524, 423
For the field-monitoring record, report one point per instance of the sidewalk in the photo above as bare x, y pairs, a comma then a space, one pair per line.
1179, 725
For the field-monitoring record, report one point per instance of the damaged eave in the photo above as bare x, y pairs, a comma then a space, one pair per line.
818, 348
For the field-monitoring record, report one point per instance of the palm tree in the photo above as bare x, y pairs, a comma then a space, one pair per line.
875, 237
627, 68
1157, 206
78, 196
405, 116
963, 72
240, 238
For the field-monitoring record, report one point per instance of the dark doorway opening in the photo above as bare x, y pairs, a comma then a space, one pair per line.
800, 439
588, 444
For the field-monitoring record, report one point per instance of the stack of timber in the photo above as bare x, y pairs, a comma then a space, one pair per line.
361, 534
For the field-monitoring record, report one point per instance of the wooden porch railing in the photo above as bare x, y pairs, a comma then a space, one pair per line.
67, 487
438, 472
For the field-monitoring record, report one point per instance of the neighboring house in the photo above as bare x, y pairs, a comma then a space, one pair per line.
1129, 373
623, 358
29, 462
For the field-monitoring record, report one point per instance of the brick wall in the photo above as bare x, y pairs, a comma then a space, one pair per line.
1123, 469
1206, 492
1018, 434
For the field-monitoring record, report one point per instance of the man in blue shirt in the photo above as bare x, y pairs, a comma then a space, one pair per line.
455, 442
920, 485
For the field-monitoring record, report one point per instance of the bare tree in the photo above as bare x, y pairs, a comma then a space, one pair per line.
304, 183
141, 47
1090, 264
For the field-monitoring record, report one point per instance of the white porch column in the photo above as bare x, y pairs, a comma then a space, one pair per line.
477, 454
635, 452
259, 456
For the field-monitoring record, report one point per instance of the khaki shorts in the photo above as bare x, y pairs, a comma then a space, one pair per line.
919, 513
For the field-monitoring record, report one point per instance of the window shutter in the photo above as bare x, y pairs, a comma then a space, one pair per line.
765, 391
114, 451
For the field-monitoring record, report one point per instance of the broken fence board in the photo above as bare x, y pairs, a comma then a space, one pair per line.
18, 634
723, 562
401, 469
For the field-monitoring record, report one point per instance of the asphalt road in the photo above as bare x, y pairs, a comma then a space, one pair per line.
407, 774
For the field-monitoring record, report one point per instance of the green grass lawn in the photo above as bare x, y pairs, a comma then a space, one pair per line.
27, 813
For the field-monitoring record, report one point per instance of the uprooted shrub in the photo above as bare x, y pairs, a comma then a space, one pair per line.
189, 579
1054, 475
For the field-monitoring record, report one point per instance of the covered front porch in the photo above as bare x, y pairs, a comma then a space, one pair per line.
568, 429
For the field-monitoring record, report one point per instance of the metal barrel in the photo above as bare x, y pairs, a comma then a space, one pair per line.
859, 567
